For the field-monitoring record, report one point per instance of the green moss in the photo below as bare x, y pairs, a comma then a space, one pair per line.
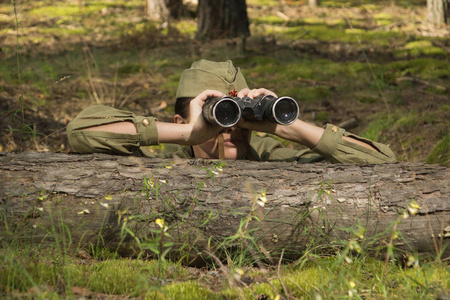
55, 11
336, 3
64, 10
313, 20
117, 277
335, 22
441, 152
425, 68
418, 44
302, 282
263, 2
189, 290
61, 31
423, 47
269, 19
384, 22
326, 33
188, 27
370, 6
383, 16
354, 31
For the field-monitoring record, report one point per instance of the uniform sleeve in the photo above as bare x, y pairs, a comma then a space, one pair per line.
338, 150
331, 147
109, 142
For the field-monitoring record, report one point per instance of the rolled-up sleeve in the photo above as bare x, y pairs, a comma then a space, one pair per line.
335, 149
84, 141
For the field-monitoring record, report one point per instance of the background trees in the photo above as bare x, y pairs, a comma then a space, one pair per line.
228, 18
222, 18
163, 9
437, 11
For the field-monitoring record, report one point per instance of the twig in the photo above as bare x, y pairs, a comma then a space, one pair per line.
418, 80
279, 275
347, 124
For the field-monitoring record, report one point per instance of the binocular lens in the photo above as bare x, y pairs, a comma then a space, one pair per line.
222, 111
285, 110
227, 112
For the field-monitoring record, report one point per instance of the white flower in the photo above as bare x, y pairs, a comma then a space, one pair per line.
262, 199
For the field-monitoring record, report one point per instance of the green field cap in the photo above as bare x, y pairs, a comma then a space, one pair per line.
205, 74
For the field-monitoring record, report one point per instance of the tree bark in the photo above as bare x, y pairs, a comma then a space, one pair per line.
162, 10
437, 11
222, 19
113, 201
312, 3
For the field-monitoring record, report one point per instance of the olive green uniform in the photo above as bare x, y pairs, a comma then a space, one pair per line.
331, 147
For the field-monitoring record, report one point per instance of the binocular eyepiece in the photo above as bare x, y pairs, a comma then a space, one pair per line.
226, 111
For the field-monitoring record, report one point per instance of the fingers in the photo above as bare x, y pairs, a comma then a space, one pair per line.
206, 94
243, 92
195, 107
255, 93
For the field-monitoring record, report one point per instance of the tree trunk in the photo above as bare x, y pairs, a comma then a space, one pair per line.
436, 11
162, 10
222, 19
113, 201
312, 3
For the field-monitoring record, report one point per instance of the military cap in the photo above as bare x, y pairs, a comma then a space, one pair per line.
205, 74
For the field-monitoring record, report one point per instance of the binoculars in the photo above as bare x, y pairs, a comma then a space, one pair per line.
226, 111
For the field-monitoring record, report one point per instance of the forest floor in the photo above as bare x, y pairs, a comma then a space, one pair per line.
377, 70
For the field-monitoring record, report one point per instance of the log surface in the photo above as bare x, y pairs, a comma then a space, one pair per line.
96, 197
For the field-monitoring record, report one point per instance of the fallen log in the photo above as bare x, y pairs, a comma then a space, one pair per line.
213, 206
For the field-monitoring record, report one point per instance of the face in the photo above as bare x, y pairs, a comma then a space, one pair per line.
235, 141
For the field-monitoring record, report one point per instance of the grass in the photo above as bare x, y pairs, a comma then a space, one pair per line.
441, 152
29, 271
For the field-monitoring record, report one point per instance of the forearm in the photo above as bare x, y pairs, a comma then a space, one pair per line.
300, 132
331, 142
306, 134
173, 133
167, 132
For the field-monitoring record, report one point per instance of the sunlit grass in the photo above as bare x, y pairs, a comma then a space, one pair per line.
363, 277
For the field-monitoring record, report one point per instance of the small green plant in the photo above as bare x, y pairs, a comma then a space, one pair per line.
440, 154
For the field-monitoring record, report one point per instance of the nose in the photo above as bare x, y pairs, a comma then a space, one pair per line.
231, 129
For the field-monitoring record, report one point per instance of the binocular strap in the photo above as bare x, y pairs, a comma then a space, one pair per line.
221, 147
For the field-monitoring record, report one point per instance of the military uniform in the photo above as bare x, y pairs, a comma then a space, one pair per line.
331, 147
224, 77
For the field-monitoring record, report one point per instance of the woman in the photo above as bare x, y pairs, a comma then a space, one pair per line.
108, 130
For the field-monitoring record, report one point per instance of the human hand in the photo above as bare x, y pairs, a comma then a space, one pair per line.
255, 93
201, 130
264, 126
